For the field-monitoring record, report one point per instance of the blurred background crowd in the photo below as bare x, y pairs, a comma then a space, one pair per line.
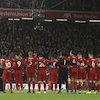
56, 38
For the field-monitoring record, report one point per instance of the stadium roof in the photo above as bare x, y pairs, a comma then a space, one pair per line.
68, 5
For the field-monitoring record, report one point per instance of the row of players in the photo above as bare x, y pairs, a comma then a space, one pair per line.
75, 67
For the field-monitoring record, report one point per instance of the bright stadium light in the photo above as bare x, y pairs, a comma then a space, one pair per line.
27, 18
80, 21
48, 20
97, 21
61, 19
10, 19
16, 19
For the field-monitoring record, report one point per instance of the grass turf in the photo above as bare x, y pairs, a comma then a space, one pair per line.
48, 96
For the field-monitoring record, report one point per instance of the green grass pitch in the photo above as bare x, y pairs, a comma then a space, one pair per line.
48, 96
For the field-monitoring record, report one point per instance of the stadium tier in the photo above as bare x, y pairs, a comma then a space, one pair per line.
49, 46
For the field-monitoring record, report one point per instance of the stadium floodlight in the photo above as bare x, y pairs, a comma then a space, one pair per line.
10, 19
16, 19
27, 18
80, 21
97, 21
61, 19
48, 20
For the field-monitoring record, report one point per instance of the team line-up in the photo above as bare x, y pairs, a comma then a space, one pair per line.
60, 70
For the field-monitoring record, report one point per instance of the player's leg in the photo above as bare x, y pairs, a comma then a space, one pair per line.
39, 82
83, 84
55, 86
94, 86
29, 85
98, 86
44, 82
21, 81
52, 86
39, 86
72, 81
60, 85
51, 82
33, 83
75, 85
60, 81
55, 81
10, 81
17, 81
29, 82
4, 77
98, 82
79, 81
79, 85
89, 83
75, 78
95, 81
66, 81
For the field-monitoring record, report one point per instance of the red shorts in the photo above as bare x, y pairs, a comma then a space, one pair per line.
82, 74
92, 74
98, 74
30, 74
74, 72
53, 75
18, 76
41, 76
7, 76
53, 78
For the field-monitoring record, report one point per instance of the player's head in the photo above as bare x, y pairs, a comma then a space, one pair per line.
98, 57
35, 54
11, 55
30, 53
72, 53
90, 55
79, 55
17, 56
40, 58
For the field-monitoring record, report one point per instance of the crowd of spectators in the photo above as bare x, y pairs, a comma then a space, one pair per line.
56, 38
69, 5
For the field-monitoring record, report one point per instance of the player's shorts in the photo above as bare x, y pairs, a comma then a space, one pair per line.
42, 76
53, 75
92, 74
62, 75
30, 74
53, 78
7, 76
74, 72
82, 74
18, 76
98, 75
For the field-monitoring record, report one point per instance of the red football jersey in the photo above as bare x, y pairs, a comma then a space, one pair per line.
98, 63
31, 63
18, 64
92, 63
81, 62
42, 66
8, 64
72, 59
52, 62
